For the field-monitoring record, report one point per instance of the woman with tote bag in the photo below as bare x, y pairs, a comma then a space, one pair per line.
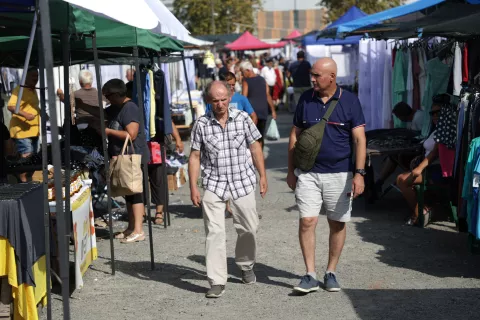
123, 125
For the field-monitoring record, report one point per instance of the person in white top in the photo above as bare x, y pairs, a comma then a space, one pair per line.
268, 73
414, 120
407, 180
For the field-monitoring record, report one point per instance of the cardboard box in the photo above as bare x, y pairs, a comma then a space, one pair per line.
172, 183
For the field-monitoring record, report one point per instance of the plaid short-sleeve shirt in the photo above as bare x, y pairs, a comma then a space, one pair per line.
226, 160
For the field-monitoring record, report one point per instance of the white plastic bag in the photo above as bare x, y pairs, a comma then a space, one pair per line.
272, 131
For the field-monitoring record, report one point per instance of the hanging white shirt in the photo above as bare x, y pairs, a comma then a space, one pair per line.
387, 88
457, 71
269, 75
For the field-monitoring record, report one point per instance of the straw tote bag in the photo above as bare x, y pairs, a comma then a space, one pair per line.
126, 172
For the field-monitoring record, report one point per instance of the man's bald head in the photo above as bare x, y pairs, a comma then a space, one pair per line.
218, 95
324, 74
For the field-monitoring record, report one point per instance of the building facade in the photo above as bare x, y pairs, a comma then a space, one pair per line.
278, 24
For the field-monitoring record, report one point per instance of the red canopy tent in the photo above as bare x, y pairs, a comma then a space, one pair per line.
292, 35
248, 41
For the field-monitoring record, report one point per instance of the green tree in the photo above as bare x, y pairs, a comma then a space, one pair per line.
196, 15
336, 8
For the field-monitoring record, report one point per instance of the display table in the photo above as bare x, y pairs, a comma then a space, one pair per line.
83, 232
22, 247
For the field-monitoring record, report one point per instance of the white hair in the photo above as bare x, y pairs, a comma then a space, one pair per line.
246, 65
85, 77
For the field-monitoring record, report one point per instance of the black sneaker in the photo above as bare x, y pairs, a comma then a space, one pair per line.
248, 277
331, 283
215, 291
307, 284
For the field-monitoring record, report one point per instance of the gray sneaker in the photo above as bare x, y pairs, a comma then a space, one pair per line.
331, 283
307, 284
248, 277
215, 291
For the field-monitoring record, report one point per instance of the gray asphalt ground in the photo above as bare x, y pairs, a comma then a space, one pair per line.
387, 270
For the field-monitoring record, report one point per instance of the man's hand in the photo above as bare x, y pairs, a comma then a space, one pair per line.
59, 92
417, 172
292, 180
274, 115
179, 146
195, 196
358, 185
29, 116
263, 186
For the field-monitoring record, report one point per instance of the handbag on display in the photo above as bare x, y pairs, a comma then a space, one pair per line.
126, 172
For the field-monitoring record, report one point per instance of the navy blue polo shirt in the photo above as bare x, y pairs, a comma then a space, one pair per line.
336, 151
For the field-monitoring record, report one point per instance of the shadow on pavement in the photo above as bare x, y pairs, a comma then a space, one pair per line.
263, 272
418, 304
436, 250
186, 211
179, 276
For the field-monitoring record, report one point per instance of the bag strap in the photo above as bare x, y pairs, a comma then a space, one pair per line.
331, 108
125, 145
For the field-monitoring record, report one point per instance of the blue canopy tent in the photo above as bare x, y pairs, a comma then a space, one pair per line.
352, 14
392, 13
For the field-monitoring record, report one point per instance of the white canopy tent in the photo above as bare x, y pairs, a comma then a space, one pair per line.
145, 14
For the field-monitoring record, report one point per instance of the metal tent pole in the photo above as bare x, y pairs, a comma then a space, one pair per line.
27, 62
163, 167
67, 127
105, 150
144, 159
56, 159
46, 207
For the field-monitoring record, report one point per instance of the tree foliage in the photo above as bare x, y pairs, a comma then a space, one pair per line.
336, 8
196, 15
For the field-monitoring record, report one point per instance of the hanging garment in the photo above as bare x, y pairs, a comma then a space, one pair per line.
394, 56
145, 85
470, 189
457, 71
364, 80
465, 63
153, 106
447, 159
387, 91
416, 105
409, 83
422, 77
460, 122
399, 84
446, 130
438, 74
163, 120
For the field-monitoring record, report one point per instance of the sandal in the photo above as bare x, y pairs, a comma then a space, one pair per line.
134, 237
123, 234
100, 223
158, 219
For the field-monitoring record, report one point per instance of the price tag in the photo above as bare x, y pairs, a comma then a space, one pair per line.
476, 180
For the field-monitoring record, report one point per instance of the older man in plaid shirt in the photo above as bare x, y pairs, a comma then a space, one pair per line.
225, 145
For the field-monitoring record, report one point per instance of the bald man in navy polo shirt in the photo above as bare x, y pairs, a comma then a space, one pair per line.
334, 181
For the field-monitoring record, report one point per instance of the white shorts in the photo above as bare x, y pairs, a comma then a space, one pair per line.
332, 191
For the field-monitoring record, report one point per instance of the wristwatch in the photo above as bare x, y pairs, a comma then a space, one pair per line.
361, 172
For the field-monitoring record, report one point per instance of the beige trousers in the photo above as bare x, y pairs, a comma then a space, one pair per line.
245, 220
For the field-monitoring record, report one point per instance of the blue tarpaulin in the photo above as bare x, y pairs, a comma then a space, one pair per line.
387, 14
352, 14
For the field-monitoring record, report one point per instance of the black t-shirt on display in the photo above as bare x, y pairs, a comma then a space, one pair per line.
4, 136
118, 119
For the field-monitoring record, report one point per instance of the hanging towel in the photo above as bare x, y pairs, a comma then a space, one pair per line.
153, 108
457, 71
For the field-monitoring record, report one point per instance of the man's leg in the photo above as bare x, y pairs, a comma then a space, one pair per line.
309, 201
245, 220
337, 196
215, 245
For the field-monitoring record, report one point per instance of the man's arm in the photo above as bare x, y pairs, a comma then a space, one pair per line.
291, 178
259, 162
270, 102
12, 103
254, 117
131, 130
360, 142
193, 174
178, 139
244, 88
